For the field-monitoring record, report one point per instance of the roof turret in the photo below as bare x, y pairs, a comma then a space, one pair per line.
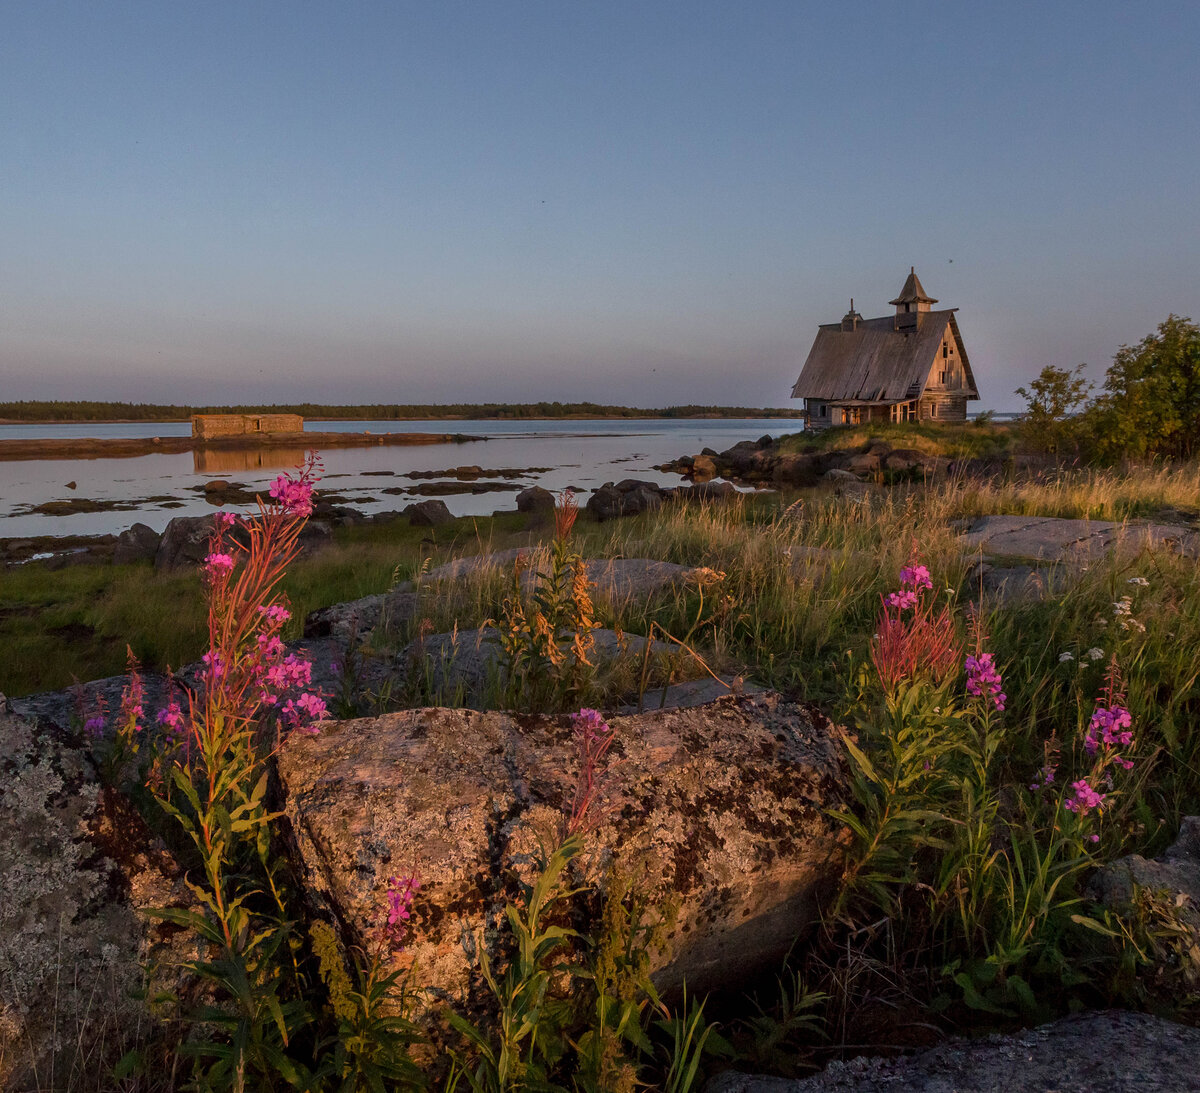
913, 292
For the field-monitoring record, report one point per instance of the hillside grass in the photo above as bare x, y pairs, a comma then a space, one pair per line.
972, 440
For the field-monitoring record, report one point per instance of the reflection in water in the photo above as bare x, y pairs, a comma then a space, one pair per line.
225, 460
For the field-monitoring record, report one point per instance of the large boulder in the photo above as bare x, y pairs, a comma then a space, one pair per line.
1106, 1052
720, 811
184, 543
627, 498
463, 667
428, 514
535, 499
611, 578
800, 469
78, 870
136, 544
1065, 540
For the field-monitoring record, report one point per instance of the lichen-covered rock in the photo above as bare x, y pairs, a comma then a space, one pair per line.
1107, 1052
1058, 539
719, 811
77, 871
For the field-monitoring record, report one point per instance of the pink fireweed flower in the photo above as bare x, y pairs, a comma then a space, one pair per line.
915, 577
94, 726
270, 647
903, 599
293, 671
400, 896
983, 680
218, 565
214, 667
171, 719
301, 712
274, 615
1111, 727
224, 519
293, 494
1085, 798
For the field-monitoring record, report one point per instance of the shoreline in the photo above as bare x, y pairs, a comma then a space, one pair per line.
127, 447
446, 417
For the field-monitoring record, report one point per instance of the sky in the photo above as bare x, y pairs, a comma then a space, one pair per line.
643, 203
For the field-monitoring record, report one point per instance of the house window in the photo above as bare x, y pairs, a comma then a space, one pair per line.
824, 410
933, 410
945, 351
904, 411
942, 378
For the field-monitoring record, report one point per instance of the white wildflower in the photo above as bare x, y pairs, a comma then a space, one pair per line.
1064, 657
1095, 653
1123, 608
1138, 581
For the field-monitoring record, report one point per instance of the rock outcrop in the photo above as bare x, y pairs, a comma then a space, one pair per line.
1056, 539
78, 870
761, 461
720, 810
136, 544
611, 578
1106, 1052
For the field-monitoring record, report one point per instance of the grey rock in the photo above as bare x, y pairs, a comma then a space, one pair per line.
463, 667
801, 469
535, 499
136, 544
721, 810
185, 542
1105, 1052
78, 870
705, 491
627, 498
70, 707
838, 474
1055, 539
429, 513
866, 463
611, 578
1176, 872
605, 503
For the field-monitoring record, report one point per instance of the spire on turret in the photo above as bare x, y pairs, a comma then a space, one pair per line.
912, 302
852, 318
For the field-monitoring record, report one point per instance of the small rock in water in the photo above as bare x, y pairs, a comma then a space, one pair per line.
71, 485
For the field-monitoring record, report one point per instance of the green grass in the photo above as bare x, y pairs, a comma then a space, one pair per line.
984, 440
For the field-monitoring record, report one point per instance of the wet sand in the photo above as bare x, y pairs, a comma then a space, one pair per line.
120, 447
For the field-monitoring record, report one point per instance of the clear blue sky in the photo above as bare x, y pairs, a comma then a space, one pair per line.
642, 202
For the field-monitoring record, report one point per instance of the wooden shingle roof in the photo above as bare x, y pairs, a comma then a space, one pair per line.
876, 362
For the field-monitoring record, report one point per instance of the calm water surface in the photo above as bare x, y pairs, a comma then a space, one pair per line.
154, 488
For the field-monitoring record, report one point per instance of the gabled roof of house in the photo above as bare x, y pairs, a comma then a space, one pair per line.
876, 362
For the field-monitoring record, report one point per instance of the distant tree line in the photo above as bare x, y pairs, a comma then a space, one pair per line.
145, 411
1149, 406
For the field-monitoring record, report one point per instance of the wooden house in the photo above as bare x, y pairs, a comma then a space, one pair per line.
911, 366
